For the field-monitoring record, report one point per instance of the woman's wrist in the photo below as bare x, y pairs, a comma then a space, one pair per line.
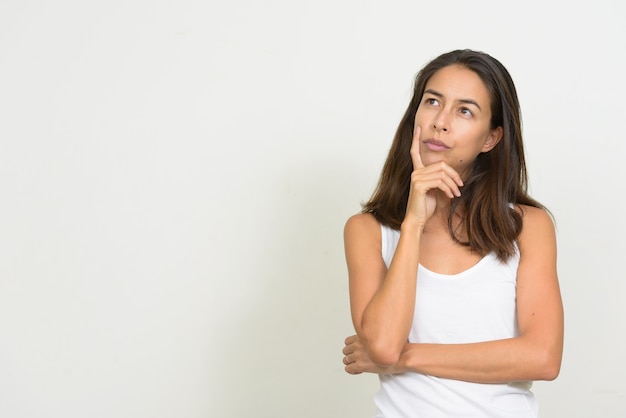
411, 226
403, 361
406, 362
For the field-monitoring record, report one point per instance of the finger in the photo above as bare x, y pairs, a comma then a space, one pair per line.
454, 174
445, 168
436, 180
446, 171
352, 369
449, 186
415, 149
349, 340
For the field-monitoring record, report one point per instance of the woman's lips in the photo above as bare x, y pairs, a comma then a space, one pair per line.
436, 145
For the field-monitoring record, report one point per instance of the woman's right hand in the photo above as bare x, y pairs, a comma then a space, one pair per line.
425, 181
357, 360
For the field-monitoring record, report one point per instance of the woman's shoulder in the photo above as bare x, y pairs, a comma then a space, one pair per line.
537, 225
362, 225
532, 215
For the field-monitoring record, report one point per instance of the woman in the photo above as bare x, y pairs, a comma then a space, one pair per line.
452, 265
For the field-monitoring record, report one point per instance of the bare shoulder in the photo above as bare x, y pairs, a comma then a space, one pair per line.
362, 223
362, 231
538, 228
534, 217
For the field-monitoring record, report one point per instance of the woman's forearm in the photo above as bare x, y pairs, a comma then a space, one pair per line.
501, 361
387, 319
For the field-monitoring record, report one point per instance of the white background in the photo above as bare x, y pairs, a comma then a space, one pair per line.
175, 176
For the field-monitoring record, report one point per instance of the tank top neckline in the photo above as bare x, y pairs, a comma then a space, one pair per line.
460, 274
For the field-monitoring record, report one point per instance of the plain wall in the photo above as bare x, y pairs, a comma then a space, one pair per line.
175, 177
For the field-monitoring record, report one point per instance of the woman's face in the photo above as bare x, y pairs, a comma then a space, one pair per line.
455, 117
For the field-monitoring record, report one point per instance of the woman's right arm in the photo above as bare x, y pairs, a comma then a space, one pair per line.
382, 301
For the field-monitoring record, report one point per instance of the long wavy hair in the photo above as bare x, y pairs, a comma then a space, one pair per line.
498, 178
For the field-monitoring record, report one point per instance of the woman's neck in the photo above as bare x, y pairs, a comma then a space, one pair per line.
441, 216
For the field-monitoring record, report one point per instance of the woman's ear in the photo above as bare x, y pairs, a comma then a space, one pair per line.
494, 137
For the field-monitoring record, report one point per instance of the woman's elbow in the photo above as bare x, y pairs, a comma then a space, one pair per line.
551, 370
383, 355
550, 367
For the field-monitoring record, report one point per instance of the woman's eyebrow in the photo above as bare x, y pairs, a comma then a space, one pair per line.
466, 101
433, 92
472, 102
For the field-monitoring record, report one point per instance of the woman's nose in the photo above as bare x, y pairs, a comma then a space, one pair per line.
441, 122
440, 126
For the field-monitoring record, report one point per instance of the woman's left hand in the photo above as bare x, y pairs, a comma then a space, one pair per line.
357, 361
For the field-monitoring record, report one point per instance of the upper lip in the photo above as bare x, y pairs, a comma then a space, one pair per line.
435, 142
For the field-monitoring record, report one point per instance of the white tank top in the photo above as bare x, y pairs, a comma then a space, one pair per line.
475, 305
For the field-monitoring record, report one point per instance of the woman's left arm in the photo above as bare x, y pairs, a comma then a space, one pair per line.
534, 355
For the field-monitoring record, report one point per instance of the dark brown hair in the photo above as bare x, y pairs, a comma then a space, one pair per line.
498, 177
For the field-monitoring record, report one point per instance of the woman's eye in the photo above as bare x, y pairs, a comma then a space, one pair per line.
466, 111
432, 101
